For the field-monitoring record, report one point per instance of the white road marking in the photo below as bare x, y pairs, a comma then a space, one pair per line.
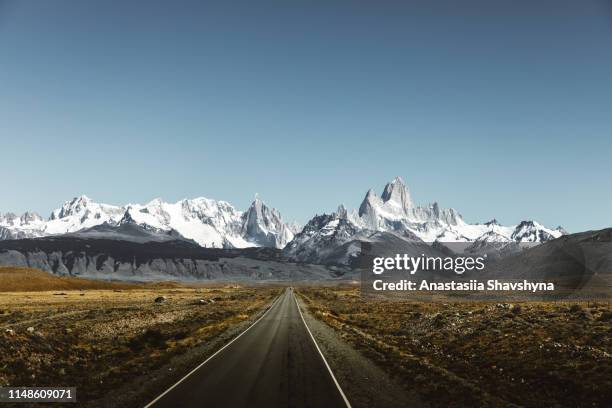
346, 401
150, 404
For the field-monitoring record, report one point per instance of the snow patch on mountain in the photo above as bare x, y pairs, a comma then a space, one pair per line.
208, 222
218, 224
322, 236
28, 225
394, 212
80, 213
265, 226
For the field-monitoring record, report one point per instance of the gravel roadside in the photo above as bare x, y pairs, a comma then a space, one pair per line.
364, 383
148, 386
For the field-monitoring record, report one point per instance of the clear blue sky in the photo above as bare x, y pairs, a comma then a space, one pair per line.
496, 108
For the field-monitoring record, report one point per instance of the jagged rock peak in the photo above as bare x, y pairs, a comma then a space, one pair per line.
74, 206
371, 196
531, 231
264, 225
368, 208
30, 217
25, 220
396, 192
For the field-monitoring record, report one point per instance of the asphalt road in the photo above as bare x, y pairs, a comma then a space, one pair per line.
275, 363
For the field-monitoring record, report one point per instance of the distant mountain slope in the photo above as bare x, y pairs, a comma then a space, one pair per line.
98, 253
128, 232
575, 256
135, 253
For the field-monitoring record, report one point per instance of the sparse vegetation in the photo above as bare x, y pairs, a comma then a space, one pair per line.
32, 280
100, 340
101, 336
480, 354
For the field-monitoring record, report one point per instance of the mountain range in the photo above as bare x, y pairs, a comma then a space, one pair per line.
336, 238
210, 223
218, 224
206, 239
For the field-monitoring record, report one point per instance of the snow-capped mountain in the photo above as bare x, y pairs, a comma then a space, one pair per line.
493, 244
80, 213
213, 223
27, 225
394, 209
265, 226
531, 231
394, 212
13, 220
322, 236
208, 222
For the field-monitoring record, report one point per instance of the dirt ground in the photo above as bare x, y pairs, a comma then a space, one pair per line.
102, 340
120, 343
33, 280
479, 354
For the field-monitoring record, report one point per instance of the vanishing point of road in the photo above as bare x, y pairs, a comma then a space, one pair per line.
274, 363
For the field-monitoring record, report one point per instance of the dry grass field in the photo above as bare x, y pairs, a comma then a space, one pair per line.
119, 346
480, 354
32, 280
101, 337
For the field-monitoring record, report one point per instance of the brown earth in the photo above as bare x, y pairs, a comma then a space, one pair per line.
106, 340
119, 346
479, 354
31, 280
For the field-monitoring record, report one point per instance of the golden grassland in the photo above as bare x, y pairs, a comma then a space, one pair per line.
31, 280
480, 354
99, 336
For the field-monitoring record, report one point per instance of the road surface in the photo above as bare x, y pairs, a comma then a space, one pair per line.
274, 363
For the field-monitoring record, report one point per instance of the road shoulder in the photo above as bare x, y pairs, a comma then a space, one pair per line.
148, 386
364, 383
